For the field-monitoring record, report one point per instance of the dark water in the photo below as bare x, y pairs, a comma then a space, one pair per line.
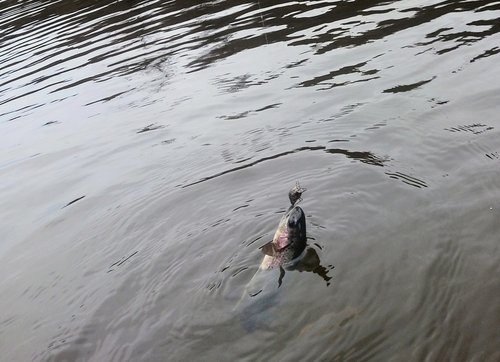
146, 152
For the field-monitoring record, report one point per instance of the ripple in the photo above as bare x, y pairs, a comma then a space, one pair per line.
151, 127
407, 87
369, 103
476, 128
75, 200
249, 112
407, 179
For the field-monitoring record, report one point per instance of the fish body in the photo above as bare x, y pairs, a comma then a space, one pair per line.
283, 253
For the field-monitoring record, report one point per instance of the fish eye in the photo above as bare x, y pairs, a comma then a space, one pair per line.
292, 221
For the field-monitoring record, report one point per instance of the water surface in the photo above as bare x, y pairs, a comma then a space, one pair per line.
146, 153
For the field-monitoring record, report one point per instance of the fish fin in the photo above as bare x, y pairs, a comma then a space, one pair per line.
282, 274
268, 249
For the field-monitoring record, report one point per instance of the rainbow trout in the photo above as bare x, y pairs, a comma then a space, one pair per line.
283, 253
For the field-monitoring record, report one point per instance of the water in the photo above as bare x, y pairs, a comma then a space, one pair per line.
147, 149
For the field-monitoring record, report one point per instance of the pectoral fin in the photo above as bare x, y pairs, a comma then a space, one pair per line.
268, 249
282, 274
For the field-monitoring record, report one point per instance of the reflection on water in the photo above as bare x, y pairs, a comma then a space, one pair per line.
145, 145
124, 38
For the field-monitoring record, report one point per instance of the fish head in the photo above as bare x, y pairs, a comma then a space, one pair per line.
297, 227
291, 230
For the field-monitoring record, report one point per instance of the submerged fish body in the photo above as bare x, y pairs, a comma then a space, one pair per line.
282, 253
257, 307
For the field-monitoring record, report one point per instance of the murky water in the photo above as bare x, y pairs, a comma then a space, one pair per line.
146, 153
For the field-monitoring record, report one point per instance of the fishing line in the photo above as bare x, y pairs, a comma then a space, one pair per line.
263, 24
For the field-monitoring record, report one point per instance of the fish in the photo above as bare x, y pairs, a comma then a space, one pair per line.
284, 252
289, 240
